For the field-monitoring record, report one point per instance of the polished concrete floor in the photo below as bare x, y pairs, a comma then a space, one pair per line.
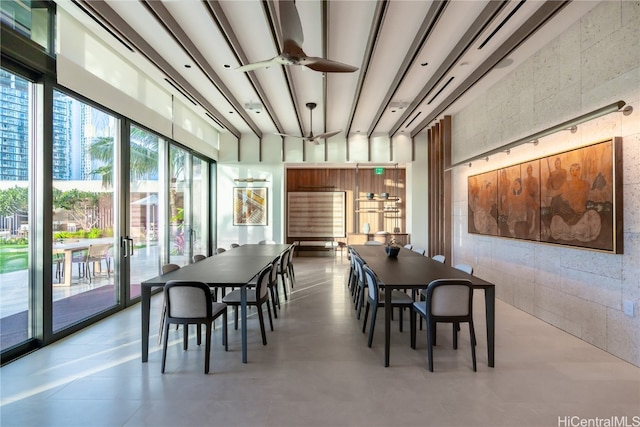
318, 371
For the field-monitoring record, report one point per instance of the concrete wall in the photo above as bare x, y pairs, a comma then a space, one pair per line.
593, 63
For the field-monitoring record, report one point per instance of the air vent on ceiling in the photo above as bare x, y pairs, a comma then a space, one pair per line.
398, 105
182, 92
216, 121
104, 26
441, 89
414, 118
504, 21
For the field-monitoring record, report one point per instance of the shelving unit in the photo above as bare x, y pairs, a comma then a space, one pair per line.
385, 215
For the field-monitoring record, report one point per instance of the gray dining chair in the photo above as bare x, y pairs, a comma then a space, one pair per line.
199, 257
234, 245
256, 296
439, 258
167, 268
408, 246
418, 250
464, 267
447, 301
220, 250
373, 243
191, 303
376, 299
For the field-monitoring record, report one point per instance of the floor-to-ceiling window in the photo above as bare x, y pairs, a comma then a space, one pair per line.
16, 102
145, 214
68, 167
83, 214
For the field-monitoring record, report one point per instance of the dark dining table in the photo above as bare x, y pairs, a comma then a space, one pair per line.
410, 270
233, 268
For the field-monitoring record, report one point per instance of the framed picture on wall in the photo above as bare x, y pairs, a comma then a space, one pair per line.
249, 206
571, 198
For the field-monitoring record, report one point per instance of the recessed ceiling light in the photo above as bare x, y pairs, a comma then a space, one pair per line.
227, 66
230, 112
187, 66
424, 64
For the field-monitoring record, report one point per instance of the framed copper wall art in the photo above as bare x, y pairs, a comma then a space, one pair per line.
570, 198
249, 206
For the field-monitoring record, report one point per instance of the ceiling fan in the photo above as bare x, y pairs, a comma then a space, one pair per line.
292, 53
311, 137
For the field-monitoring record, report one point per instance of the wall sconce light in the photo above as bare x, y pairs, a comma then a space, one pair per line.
572, 125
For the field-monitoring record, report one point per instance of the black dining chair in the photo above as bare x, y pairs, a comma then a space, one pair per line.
447, 301
376, 300
191, 303
256, 296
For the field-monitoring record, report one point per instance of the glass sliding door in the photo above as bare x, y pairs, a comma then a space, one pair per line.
16, 189
145, 215
200, 206
83, 213
180, 233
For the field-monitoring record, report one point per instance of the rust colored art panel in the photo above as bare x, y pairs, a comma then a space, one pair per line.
519, 201
483, 204
581, 197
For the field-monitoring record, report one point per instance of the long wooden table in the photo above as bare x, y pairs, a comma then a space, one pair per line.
233, 268
413, 271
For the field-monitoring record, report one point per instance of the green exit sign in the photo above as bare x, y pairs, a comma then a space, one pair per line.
379, 171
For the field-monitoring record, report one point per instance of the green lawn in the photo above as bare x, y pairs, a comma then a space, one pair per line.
13, 258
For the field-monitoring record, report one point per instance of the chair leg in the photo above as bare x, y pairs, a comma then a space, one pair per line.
361, 293
269, 312
207, 348
275, 303
236, 309
162, 315
262, 331
165, 332
225, 338
374, 311
455, 336
292, 275
366, 315
399, 317
185, 336
472, 337
198, 334
284, 286
430, 344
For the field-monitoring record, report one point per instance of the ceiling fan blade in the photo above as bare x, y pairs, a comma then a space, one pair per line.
278, 60
326, 65
290, 22
289, 136
327, 134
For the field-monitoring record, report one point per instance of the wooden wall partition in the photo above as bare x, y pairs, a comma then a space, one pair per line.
356, 184
439, 199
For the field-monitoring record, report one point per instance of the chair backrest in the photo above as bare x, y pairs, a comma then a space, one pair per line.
273, 275
418, 250
220, 250
464, 267
408, 246
99, 250
199, 257
187, 299
359, 266
262, 284
439, 258
373, 243
267, 242
167, 268
450, 298
234, 245
372, 283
